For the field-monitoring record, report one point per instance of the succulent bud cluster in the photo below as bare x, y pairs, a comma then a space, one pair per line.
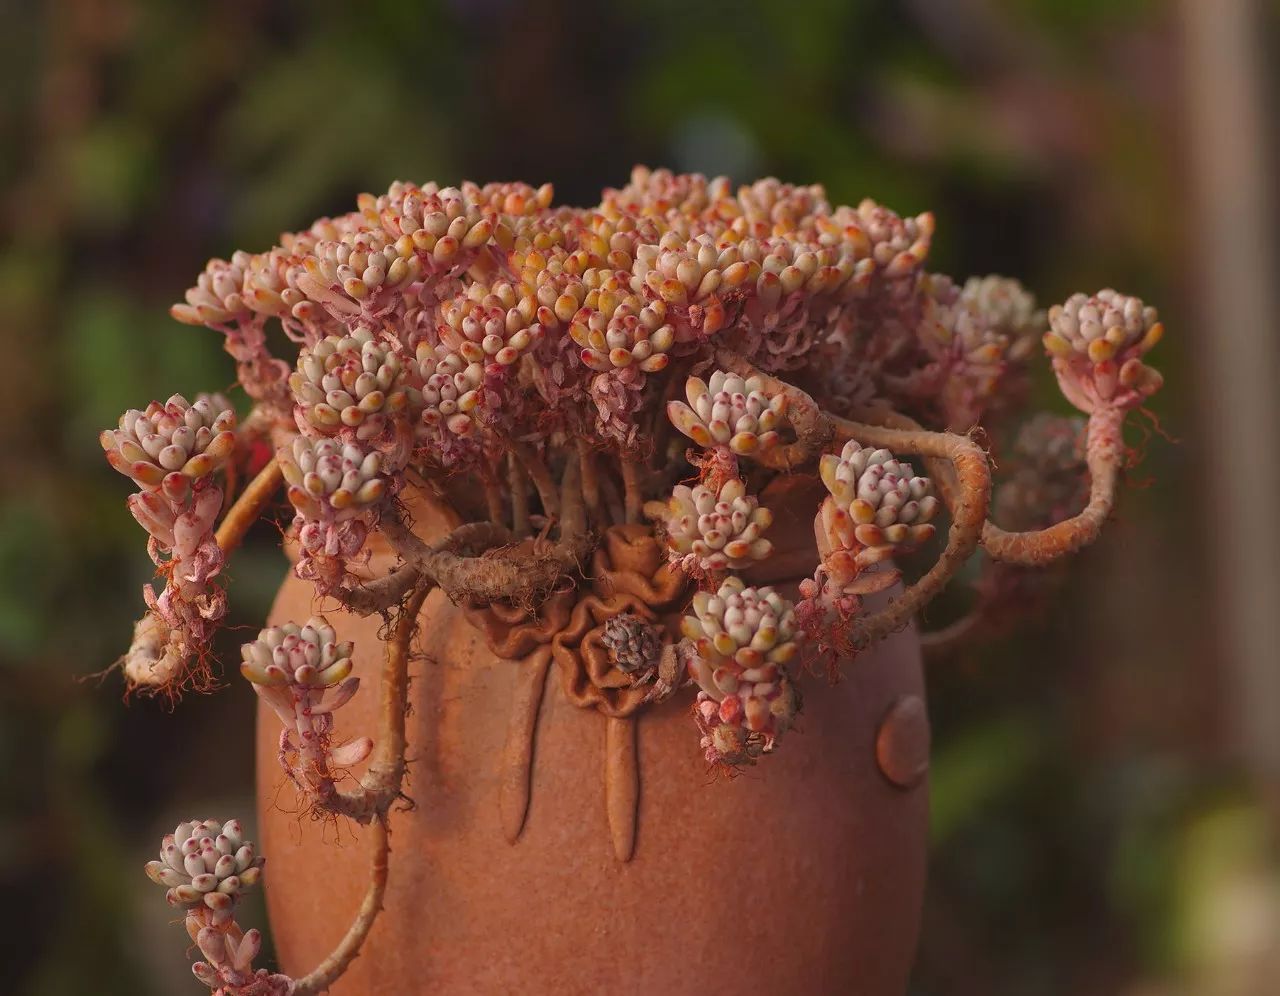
1097, 343
968, 348
307, 655
172, 451
731, 412
218, 296
356, 268
1009, 309
206, 867
303, 672
169, 447
490, 324
349, 382
206, 864
742, 640
333, 487
709, 531
616, 330
877, 506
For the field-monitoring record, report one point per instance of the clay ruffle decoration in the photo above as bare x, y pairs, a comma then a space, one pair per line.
612, 650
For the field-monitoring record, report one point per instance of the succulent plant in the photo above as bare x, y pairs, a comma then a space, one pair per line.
303, 673
514, 365
716, 531
309, 655
877, 505
167, 447
634, 645
617, 329
206, 863
218, 294
742, 628
729, 411
352, 382
1008, 307
1097, 343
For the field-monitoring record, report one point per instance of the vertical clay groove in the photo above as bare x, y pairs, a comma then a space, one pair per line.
621, 783
517, 755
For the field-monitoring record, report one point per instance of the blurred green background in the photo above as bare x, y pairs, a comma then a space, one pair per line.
1104, 781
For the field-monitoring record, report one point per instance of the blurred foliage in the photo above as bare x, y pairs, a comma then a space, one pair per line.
1082, 817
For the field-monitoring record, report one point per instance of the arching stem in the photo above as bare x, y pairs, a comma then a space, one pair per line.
1104, 454
968, 513
247, 508
340, 958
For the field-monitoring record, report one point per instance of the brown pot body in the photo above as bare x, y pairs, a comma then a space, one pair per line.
804, 875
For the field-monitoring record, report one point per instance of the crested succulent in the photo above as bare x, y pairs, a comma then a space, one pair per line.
514, 367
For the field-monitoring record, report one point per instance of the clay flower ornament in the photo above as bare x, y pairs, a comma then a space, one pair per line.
614, 415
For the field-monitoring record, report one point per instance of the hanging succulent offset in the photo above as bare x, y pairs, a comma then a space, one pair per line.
566, 358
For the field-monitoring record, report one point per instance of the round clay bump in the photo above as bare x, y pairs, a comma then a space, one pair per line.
902, 742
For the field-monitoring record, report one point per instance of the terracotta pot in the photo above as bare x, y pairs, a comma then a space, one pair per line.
804, 875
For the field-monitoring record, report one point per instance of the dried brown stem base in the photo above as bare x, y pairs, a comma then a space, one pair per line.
520, 574
249, 506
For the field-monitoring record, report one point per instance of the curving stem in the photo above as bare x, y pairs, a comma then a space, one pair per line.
340, 958
1104, 453
381, 785
246, 509
968, 514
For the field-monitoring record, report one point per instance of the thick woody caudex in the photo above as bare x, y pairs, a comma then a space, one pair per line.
647, 370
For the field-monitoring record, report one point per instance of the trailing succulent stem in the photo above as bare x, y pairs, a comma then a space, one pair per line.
599, 404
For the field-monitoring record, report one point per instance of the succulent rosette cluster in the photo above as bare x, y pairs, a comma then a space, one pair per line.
172, 452
716, 531
303, 673
334, 488
729, 411
204, 863
206, 867
743, 639
1098, 343
877, 505
535, 374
